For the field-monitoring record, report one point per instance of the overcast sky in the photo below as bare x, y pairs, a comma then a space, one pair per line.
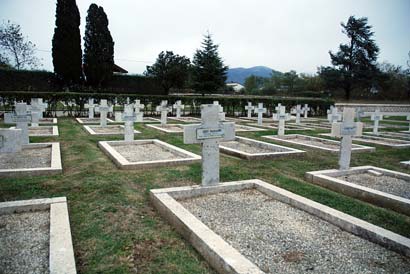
283, 35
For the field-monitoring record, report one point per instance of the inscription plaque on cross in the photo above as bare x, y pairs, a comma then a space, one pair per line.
376, 117
209, 133
178, 106
129, 118
260, 110
91, 107
333, 116
281, 116
298, 112
249, 108
221, 113
103, 109
305, 110
10, 140
164, 109
346, 129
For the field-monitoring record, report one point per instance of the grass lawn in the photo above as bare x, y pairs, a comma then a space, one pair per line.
115, 228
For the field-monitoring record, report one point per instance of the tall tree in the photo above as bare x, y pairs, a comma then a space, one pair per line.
170, 69
98, 47
209, 72
66, 42
356, 60
16, 50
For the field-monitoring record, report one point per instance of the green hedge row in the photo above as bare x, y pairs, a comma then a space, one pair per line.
233, 105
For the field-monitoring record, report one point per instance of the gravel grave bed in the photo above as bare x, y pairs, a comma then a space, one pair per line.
108, 129
147, 152
314, 142
279, 238
40, 130
24, 242
26, 158
248, 148
393, 135
90, 120
385, 183
245, 128
380, 140
171, 127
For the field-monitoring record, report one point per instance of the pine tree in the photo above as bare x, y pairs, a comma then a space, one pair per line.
209, 72
98, 47
66, 42
356, 61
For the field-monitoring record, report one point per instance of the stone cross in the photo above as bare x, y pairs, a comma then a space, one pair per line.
208, 134
359, 113
221, 113
91, 107
178, 106
346, 129
298, 112
36, 112
103, 108
333, 116
40, 105
260, 110
129, 118
249, 108
305, 110
21, 117
164, 109
376, 117
281, 116
138, 106
10, 140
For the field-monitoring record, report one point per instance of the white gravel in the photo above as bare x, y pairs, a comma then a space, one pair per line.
24, 242
114, 129
380, 140
42, 130
26, 158
282, 239
249, 148
147, 152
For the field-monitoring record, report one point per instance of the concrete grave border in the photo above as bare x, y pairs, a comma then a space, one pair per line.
390, 134
377, 141
121, 162
288, 126
81, 121
405, 164
325, 178
150, 120
61, 253
89, 129
249, 128
226, 259
44, 121
158, 127
266, 155
285, 139
183, 119
55, 168
54, 134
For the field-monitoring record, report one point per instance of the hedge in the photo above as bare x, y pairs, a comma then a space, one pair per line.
233, 105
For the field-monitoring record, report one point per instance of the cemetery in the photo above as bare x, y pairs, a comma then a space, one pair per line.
168, 128
44, 131
376, 140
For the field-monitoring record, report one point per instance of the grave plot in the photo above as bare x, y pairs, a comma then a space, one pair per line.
382, 187
232, 119
43, 131
255, 227
317, 125
405, 164
107, 130
316, 143
388, 142
146, 153
186, 119
252, 149
150, 120
48, 121
169, 128
91, 121
274, 125
34, 159
35, 237
395, 135
242, 128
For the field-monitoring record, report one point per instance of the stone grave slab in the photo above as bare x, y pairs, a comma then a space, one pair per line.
405, 164
107, 130
35, 237
146, 153
168, 128
186, 119
316, 143
252, 149
34, 159
43, 131
388, 142
91, 121
254, 227
382, 187
388, 134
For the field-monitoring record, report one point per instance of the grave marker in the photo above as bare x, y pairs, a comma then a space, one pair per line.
260, 110
10, 140
208, 134
376, 117
103, 109
221, 113
129, 118
35, 111
298, 112
333, 116
305, 110
40, 105
249, 108
91, 107
178, 106
21, 117
164, 109
408, 119
359, 113
346, 129
138, 106
281, 116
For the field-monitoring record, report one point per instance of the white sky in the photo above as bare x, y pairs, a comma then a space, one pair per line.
283, 35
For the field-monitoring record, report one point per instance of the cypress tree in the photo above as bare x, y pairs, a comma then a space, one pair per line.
98, 47
66, 42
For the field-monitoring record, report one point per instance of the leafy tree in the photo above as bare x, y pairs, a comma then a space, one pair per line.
254, 83
98, 47
66, 43
209, 72
289, 80
170, 69
16, 50
356, 60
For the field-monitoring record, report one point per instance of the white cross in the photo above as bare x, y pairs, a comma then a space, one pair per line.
90, 107
178, 106
346, 130
297, 111
103, 109
333, 115
208, 134
221, 113
260, 110
138, 106
305, 110
376, 117
21, 117
164, 109
10, 140
359, 113
408, 119
35, 111
249, 108
281, 116
40, 105
129, 118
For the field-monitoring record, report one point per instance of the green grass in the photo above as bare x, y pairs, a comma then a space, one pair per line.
115, 228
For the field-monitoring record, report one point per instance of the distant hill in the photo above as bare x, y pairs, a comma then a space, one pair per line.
239, 75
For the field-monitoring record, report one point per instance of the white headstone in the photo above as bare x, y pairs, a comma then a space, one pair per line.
208, 134
129, 118
10, 140
178, 106
90, 107
140, 115
359, 113
118, 116
22, 117
305, 110
36, 112
260, 110
164, 109
249, 108
103, 108
333, 116
39, 105
298, 112
346, 130
281, 116
221, 113
376, 117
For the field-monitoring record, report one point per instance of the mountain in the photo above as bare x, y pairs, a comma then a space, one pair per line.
239, 75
